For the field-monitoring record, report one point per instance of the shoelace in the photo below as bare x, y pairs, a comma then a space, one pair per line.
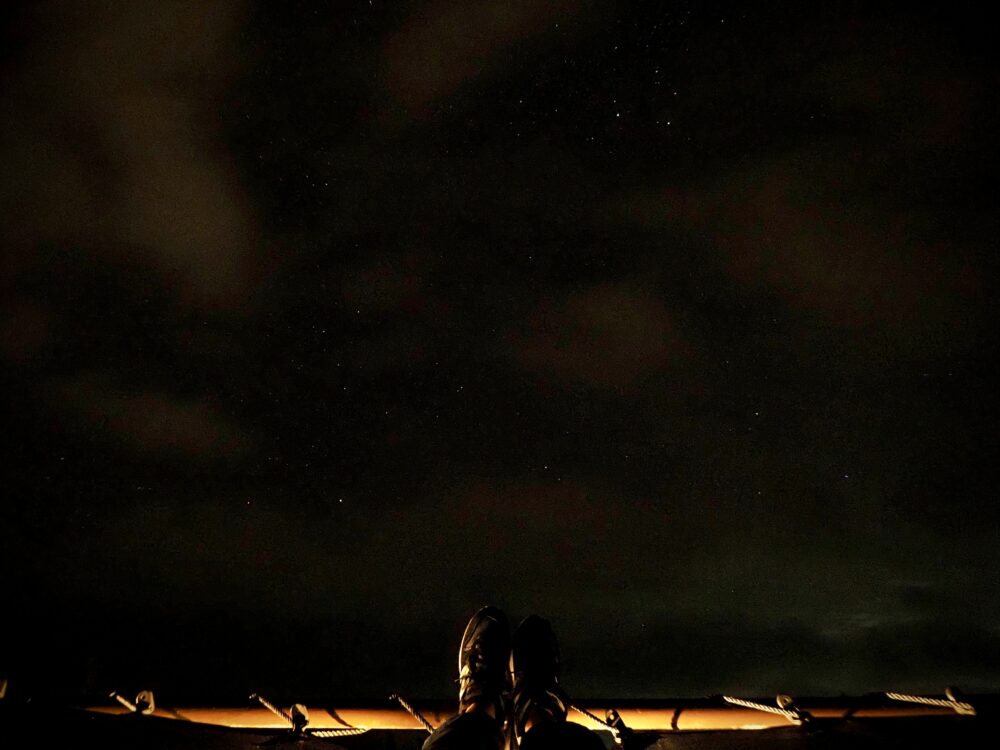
477, 679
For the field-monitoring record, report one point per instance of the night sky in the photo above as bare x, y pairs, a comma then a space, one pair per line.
324, 324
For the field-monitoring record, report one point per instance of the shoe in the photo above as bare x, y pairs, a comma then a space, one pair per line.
534, 665
482, 662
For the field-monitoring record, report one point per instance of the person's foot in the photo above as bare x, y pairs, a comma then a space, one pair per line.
534, 665
482, 663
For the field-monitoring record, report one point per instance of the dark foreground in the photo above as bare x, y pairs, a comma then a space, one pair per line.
33, 725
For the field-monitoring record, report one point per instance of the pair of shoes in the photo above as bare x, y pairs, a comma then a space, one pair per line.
493, 665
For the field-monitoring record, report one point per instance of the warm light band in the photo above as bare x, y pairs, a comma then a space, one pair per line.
650, 716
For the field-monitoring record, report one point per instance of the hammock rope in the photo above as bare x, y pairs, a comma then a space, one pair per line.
794, 715
960, 707
413, 712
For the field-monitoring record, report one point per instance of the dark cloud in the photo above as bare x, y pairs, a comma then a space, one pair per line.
444, 44
801, 227
156, 423
606, 336
25, 330
111, 149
